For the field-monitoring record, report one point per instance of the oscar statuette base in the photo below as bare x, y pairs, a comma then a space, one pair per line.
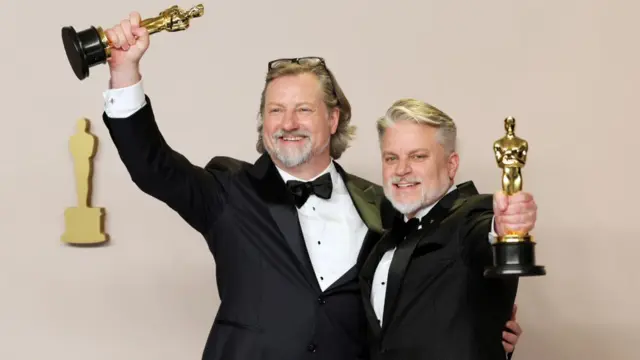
514, 256
84, 49
84, 226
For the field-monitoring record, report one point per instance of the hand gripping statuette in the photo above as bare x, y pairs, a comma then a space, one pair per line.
91, 47
513, 253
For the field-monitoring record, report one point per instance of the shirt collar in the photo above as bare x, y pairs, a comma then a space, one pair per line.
329, 169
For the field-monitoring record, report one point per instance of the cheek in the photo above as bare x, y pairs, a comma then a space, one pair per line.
387, 173
318, 127
428, 172
269, 126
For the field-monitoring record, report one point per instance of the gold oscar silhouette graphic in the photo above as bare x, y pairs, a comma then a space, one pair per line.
84, 224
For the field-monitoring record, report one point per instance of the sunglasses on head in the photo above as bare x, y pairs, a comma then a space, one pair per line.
307, 60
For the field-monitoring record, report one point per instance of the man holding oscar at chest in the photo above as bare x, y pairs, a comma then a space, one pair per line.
425, 286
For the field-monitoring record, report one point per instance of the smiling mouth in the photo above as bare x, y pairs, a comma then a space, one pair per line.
406, 185
292, 139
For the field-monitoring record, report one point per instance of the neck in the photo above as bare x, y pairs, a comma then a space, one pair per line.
309, 169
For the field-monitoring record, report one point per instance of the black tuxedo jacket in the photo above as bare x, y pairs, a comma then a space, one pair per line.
271, 307
438, 305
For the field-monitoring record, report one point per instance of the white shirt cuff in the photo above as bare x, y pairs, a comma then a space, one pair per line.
124, 102
492, 234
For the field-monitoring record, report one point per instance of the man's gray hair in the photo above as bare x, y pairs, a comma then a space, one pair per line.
422, 113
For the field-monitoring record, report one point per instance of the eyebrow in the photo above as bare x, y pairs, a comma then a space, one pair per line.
410, 152
274, 103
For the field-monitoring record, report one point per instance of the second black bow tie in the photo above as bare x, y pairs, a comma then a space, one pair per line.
301, 190
403, 229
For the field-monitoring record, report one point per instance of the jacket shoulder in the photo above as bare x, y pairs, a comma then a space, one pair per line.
227, 164
479, 203
363, 183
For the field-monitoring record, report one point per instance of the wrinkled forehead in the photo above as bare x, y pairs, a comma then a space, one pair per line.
303, 87
408, 137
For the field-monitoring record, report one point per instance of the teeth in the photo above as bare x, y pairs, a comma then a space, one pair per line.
405, 185
292, 138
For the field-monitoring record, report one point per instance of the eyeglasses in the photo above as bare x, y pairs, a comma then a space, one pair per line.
307, 60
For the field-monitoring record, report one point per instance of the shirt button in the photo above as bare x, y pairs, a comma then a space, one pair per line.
311, 348
322, 301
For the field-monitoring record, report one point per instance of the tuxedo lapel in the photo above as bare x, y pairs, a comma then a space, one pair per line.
402, 256
364, 197
367, 203
280, 205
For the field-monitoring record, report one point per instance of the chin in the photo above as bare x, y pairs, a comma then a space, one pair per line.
406, 208
403, 201
293, 158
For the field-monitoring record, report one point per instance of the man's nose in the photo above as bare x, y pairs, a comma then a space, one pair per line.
403, 168
290, 121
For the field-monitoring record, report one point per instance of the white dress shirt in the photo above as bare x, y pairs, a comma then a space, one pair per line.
333, 230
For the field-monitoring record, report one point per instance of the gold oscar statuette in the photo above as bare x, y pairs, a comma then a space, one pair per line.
84, 224
513, 253
91, 47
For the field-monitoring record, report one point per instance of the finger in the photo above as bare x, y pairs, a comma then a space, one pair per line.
521, 196
126, 30
517, 219
514, 312
514, 327
113, 38
519, 208
509, 338
139, 31
508, 347
143, 37
122, 40
134, 19
500, 202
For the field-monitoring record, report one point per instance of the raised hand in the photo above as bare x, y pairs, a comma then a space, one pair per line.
128, 42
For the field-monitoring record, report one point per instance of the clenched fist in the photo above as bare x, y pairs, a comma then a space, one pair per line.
514, 214
128, 42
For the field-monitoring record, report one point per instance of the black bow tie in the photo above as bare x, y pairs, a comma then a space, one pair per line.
405, 228
301, 190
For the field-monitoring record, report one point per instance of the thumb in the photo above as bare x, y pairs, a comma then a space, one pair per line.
513, 313
500, 201
142, 36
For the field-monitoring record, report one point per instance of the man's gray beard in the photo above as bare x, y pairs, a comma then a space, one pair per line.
293, 157
426, 198
404, 208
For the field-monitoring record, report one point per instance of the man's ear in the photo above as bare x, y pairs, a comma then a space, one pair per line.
452, 165
334, 120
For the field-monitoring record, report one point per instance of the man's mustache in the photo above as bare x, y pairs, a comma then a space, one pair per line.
298, 133
399, 179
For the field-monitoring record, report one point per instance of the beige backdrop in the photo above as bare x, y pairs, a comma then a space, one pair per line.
567, 70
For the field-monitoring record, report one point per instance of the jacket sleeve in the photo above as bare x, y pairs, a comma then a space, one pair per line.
196, 194
498, 295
